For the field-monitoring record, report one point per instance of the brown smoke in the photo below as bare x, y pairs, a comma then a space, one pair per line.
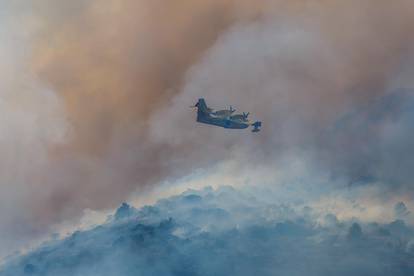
116, 61
125, 72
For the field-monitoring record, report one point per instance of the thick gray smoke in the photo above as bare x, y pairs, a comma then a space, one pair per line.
225, 232
95, 97
352, 126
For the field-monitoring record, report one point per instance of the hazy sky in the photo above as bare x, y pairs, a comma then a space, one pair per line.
94, 99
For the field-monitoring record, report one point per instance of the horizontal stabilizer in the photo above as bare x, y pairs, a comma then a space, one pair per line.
256, 126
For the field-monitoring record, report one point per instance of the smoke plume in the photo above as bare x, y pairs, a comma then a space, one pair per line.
95, 95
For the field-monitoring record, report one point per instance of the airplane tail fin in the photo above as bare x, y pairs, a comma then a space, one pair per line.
202, 106
256, 126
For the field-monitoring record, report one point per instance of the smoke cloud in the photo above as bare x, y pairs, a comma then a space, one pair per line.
95, 96
225, 232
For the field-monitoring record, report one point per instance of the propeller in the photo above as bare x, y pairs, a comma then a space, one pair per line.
194, 106
245, 115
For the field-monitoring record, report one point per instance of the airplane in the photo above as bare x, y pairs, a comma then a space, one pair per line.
224, 118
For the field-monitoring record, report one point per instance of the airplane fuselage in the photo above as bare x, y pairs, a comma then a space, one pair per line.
219, 121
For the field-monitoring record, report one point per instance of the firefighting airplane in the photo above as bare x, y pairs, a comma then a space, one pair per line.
224, 118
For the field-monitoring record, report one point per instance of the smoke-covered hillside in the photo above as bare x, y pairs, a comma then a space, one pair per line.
226, 232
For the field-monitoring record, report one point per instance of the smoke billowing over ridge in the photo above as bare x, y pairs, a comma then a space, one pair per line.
109, 83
